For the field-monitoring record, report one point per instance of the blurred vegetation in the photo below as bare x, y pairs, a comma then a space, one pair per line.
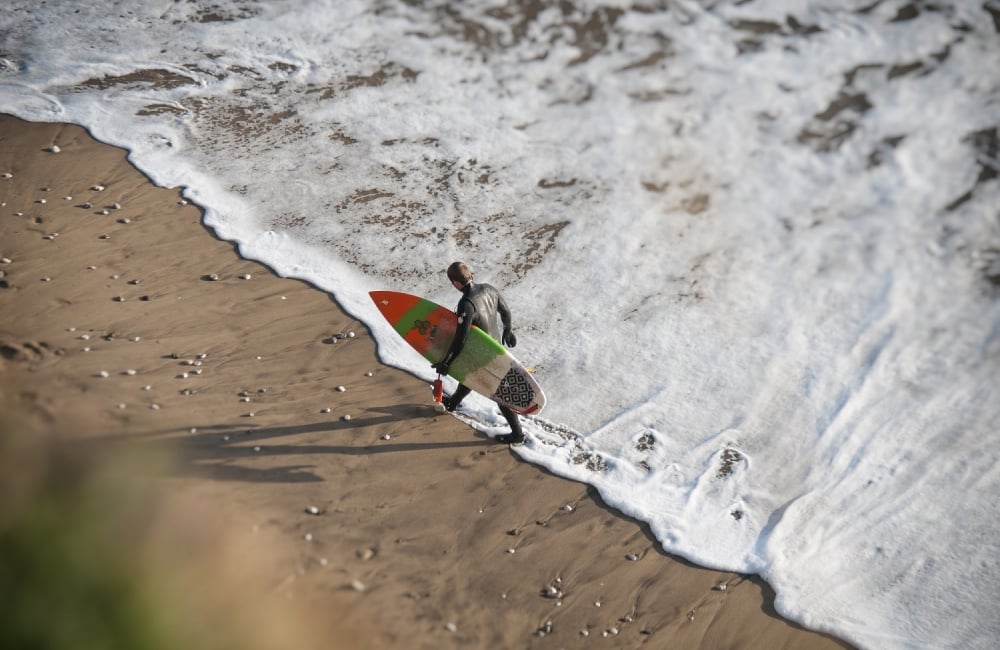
90, 561
65, 527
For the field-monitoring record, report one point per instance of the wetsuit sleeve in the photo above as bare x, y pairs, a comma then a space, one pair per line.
466, 313
504, 312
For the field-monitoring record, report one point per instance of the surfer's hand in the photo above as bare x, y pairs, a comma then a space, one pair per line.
441, 367
509, 339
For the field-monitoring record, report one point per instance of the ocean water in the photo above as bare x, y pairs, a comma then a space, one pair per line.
752, 247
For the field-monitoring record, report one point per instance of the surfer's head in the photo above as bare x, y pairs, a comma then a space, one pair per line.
460, 274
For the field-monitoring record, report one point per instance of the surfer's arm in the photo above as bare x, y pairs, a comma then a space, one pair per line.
508, 337
465, 315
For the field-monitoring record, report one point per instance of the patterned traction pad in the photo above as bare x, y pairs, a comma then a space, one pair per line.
515, 390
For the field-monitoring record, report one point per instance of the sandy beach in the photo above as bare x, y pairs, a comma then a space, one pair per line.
263, 476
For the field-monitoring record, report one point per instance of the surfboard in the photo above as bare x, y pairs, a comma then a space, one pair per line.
484, 365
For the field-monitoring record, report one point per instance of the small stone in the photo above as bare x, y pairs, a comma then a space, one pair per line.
98, 188
386, 436
201, 356
147, 387
347, 417
125, 220
121, 406
86, 349
369, 374
357, 585
631, 557
105, 237
451, 627
511, 551
46, 279
350, 335
257, 448
568, 508
130, 372
5, 260
244, 399
103, 374
136, 339
8, 175
325, 409
116, 206
313, 510
193, 430
340, 389
245, 276
155, 407
366, 554
55, 148
119, 298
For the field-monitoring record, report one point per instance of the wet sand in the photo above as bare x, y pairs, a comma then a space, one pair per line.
332, 518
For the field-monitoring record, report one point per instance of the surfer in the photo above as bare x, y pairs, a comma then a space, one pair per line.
480, 304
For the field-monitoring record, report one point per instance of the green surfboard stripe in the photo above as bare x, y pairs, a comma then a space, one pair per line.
419, 311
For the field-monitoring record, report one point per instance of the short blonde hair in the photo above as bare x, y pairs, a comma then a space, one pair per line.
460, 272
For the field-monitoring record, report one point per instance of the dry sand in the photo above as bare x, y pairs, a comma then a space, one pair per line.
397, 528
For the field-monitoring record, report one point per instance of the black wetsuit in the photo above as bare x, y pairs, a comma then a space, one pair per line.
480, 304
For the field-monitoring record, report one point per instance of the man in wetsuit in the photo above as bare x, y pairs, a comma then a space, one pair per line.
479, 306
